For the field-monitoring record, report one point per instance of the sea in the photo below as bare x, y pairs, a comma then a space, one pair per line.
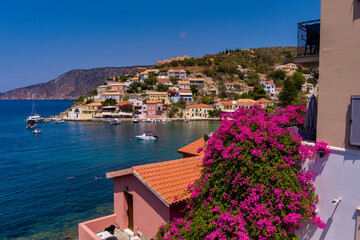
51, 182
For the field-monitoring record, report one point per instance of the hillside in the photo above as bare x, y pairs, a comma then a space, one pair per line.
70, 85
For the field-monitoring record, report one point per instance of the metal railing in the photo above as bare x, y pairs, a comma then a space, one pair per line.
308, 39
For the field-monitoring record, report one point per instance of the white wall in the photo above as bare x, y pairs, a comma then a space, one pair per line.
338, 176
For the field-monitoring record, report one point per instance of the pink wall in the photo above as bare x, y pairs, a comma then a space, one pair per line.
151, 113
88, 229
149, 211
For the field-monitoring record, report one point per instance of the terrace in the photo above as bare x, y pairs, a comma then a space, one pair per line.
308, 43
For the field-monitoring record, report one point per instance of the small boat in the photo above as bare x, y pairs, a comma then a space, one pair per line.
59, 121
187, 120
164, 120
37, 131
135, 121
115, 122
34, 118
147, 136
31, 126
148, 120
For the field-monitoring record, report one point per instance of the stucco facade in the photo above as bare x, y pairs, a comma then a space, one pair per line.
339, 71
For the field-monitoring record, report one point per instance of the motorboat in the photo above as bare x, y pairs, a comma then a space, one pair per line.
59, 121
187, 120
31, 126
164, 120
148, 120
115, 122
135, 120
147, 136
37, 131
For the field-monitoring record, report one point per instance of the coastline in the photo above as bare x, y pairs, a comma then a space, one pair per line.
131, 119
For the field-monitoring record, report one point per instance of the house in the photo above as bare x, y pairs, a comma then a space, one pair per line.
263, 102
114, 94
198, 82
91, 110
287, 67
229, 86
248, 88
307, 77
185, 94
102, 88
109, 112
333, 49
118, 86
139, 108
269, 87
156, 109
225, 106
197, 111
75, 112
277, 90
164, 81
184, 84
178, 73
124, 109
157, 96
148, 196
244, 103
307, 87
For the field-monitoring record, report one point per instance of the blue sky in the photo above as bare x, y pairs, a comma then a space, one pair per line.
40, 40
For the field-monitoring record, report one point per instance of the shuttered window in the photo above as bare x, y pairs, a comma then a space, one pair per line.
355, 121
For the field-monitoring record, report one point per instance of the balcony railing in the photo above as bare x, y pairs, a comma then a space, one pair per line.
308, 39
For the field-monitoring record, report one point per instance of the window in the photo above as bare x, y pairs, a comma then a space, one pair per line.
355, 121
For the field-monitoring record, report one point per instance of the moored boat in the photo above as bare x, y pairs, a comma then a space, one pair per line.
115, 122
147, 136
37, 131
59, 121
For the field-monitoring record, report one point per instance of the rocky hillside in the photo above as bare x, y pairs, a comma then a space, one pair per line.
70, 85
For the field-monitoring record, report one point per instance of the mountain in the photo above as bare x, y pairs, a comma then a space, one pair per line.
70, 85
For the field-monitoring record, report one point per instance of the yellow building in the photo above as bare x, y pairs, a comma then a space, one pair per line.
91, 110
157, 96
198, 111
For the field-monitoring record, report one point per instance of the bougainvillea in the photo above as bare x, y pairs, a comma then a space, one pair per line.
252, 186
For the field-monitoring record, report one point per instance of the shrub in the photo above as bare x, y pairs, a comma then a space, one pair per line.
251, 186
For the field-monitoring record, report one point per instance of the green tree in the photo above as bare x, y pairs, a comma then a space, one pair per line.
162, 87
313, 81
94, 92
194, 89
289, 93
277, 75
174, 80
299, 80
90, 101
215, 112
134, 86
259, 92
150, 81
126, 108
109, 102
253, 79
207, 100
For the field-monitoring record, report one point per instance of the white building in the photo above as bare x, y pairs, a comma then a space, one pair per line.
269, 87
184, 84
75, 112
178, 73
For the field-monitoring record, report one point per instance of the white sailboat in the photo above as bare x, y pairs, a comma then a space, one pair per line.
34, 118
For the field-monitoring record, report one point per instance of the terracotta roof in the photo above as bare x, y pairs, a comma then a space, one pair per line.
94, 104
164, 80
229, 84
199, 106
184, 91
263, 100
156, 93
278, 88
124, 103
193, 147
197, 79
226, 103
153, 101
250, 87
269, 82
184, 82
248, 103
117, 84
177, 70
167, 180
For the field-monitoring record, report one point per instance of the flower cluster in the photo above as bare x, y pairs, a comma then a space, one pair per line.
251, 185
321, 146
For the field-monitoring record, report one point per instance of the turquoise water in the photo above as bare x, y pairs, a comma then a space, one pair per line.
36, 199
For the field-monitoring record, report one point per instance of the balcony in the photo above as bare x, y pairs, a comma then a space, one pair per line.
308, 43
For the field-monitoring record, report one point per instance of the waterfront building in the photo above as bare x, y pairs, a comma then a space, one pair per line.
225, 106
178, 73
147, 196
263, 102
156, 109
139, 108
157, 96
124, 109
244, 103
75, 112
91, 110
198, 111
184, 84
